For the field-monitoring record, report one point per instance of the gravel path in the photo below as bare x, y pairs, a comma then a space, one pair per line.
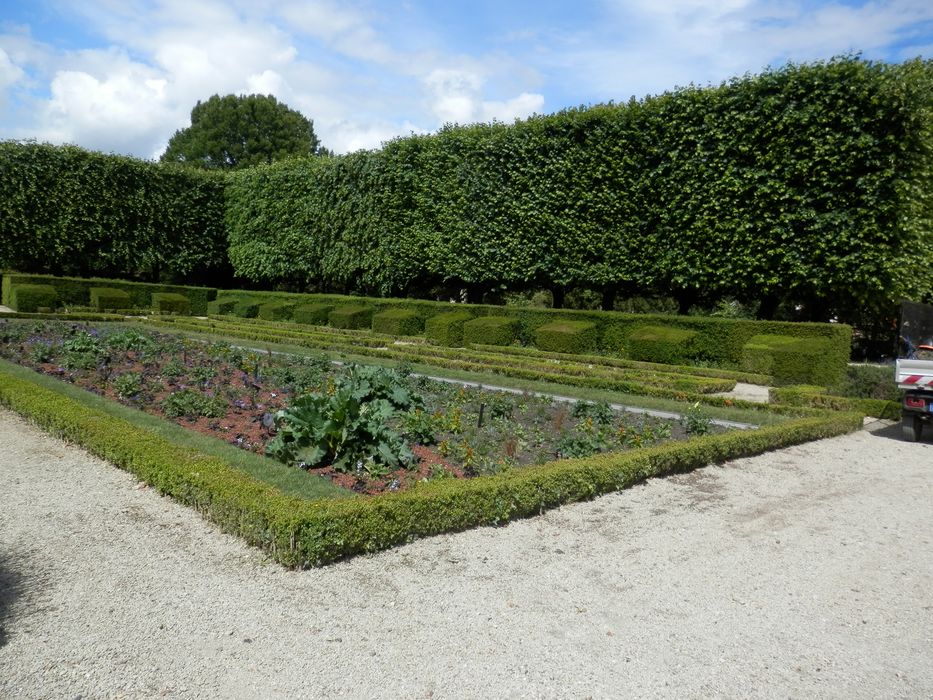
803, 573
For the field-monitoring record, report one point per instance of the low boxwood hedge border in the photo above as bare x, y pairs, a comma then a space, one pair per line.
815, 397
301, 534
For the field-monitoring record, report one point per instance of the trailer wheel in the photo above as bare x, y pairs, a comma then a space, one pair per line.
911, 428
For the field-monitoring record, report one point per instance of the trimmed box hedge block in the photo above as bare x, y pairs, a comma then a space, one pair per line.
491, 330
29, 298
566, 336
75, 291
789, 360
171, 303
276, 311
312, 314
108, 298
221, 307
663, 344
351, 317
246, 308
447, 328
398, 322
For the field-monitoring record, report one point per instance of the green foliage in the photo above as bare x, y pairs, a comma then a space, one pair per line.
275, 311
312, 314
490, 330
348, 427
76, 292
817, 397
868, 382
599, 412
29, 298
76, 212
192, 404
130, 339
241, 131
806, 185
221, 307
171, 303
108, 298
246, 308
675, 346
351, 317
128, 385
789, 360
398, 322
447, 328
696, 420
301, 533
566, 336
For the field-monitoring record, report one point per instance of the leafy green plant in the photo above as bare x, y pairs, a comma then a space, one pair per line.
128, 385
599, 411
130, 339
348, 426
42, 352
696, 420
192, 404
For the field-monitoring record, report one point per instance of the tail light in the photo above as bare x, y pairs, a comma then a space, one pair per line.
915, 402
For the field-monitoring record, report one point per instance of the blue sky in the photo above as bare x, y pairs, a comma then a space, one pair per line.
122, 75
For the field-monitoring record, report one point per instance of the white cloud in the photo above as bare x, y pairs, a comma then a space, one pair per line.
457, 98
10, 73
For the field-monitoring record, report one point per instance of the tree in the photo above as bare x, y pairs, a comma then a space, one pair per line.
239, 131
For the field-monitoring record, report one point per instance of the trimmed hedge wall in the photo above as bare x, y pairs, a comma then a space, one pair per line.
67, 210
306, 533
351, 317
788, 360
29, 298
490, 330
572, 337
447, 328
719, 340
398, 322
312, 314
74, 291
662, 344
108, 299
806, 184
221, 307
276, 310
170, 303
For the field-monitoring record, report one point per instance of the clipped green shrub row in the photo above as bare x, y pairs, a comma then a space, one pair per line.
398, 322
74, 291
446, 328
300, 533
789, 360
171, 303
67, 210
108, 298
352, 317
816, 397
572, 337
663, 385
30, 298
276, 310
807, 184
641, 337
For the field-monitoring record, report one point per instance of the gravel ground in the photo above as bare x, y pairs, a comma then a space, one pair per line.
802, 573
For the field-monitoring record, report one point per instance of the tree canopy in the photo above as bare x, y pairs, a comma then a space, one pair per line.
240, 131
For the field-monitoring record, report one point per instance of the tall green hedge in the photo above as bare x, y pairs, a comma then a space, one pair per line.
74, 291
809, 184
65, 210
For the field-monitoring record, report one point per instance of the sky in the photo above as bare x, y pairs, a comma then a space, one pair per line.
121, 76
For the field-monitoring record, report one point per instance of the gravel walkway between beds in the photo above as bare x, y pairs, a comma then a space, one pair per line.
803, 573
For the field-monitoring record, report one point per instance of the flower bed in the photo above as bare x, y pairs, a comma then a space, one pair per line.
242, 397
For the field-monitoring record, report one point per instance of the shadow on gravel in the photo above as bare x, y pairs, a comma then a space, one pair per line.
893, 432
13, 582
